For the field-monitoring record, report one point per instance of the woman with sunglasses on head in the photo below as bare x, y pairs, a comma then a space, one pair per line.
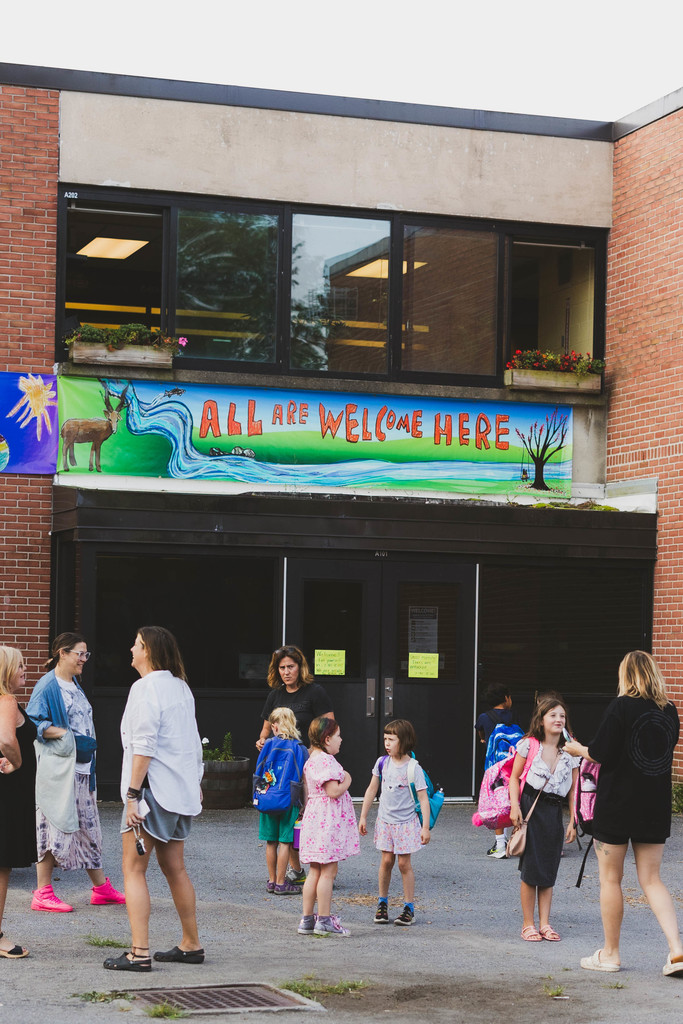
161, 778
67, 820
292, 686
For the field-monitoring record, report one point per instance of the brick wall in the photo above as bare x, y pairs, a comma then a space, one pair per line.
645, 358
29, 139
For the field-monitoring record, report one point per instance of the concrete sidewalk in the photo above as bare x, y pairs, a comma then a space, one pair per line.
463, 960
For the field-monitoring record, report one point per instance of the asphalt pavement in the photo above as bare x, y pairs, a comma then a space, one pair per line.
462, 960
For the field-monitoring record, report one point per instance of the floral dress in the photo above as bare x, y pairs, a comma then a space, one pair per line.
329, 832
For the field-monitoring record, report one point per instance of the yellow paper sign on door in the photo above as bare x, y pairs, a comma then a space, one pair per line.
329, 663
423, 666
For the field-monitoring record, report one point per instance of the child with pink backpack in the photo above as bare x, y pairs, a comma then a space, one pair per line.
550, 775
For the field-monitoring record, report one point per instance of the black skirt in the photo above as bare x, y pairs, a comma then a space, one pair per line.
544, 838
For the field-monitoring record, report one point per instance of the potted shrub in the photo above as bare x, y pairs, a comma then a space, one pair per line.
131, 344
554, 371
227, 777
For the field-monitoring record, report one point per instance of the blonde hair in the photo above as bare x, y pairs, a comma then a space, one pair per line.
639, 676
286, 722
11, 661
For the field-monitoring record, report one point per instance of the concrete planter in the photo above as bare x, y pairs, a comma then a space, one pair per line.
551, 380
131, 355
227, 784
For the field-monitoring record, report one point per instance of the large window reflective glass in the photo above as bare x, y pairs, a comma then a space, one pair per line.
113, 265
226, 284
552, 296
449, 301
340, 294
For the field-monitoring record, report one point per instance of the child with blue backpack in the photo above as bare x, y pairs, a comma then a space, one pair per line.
279, 781
398, 832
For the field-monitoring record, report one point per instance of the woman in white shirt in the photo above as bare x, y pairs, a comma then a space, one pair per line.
161, 792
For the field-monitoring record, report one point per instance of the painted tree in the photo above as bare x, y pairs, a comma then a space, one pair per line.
542, 442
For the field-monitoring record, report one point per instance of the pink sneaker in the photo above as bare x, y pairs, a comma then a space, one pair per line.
45, 899
106, 893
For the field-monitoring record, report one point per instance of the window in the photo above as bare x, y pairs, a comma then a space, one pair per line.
227, 273
353, 295
340, 294
113, 265
450, 288
552, 296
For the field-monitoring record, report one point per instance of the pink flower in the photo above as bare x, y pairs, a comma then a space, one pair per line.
182, 342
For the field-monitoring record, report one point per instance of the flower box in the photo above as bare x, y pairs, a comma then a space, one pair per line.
552, 380
130, 355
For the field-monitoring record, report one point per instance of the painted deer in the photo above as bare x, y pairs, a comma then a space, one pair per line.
92, 432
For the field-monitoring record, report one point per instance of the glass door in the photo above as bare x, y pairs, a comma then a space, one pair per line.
392, 640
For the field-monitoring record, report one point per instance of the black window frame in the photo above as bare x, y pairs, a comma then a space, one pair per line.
507, 232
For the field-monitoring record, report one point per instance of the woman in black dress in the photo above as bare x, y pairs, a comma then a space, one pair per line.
17, 784
634, 747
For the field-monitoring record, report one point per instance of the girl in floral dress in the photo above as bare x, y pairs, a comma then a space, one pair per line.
329, 832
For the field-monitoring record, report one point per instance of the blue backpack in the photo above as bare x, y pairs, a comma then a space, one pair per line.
502, 742
278, 780
434, 796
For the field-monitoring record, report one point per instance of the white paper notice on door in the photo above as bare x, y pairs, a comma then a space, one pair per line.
423, 629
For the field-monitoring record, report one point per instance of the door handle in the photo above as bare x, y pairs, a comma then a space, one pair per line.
388, 697
370, 697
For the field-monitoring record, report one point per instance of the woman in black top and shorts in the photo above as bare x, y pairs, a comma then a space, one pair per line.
634, 747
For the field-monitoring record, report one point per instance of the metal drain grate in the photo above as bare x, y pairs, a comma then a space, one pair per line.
226, 998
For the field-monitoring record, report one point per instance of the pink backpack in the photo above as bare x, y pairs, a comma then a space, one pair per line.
494, 795
584, 807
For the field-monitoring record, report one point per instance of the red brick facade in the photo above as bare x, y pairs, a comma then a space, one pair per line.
29, 151
645, 357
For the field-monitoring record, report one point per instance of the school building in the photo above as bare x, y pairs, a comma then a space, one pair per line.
337, 457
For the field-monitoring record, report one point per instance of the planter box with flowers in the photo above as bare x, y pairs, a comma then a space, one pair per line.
128, 345
552, 371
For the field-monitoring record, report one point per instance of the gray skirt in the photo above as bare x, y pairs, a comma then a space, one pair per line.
166, 826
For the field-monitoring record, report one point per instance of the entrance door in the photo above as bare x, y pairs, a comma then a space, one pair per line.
392, 640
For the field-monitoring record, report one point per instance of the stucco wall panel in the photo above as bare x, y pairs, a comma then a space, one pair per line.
265, 154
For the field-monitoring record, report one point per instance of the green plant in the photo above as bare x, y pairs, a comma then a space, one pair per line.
617, 984
309, 987
101, 997
677, 798
97, 940
561, 362
557, 990
127, 334
165, 1009
223, 753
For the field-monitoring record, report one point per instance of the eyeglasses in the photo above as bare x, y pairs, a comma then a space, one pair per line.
81, 654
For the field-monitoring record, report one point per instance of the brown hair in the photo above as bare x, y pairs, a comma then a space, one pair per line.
320, 730
162, 650
639, 676
545, 703
11, 661
63, 642
288, 651
402, 728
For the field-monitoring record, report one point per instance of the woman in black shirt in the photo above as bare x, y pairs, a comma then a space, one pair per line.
634, 747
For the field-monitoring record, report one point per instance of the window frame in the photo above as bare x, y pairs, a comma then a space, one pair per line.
507, 232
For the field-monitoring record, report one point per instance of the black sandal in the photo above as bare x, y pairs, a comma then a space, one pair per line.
179, 956
15, 953
123, 963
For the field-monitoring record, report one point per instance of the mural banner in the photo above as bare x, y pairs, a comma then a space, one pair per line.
28, 423
265, 438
